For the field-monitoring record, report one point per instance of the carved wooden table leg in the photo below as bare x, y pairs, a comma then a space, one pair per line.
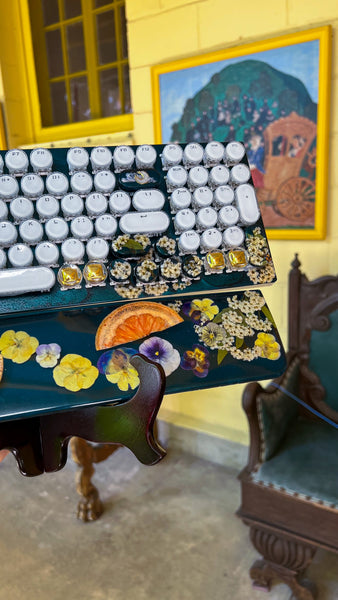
85, 455
284, 559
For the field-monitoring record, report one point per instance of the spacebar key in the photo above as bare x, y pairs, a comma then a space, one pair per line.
14, 282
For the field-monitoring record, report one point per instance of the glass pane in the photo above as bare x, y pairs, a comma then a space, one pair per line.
126, 87
99, 3
50, 12
76, 48
80, 100
59, 102
54, 53
72, 8
110, 94
106, 40
123, 24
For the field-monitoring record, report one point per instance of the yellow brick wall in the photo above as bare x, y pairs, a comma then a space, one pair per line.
164, 30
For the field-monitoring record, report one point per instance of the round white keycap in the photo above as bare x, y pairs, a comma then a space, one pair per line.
96, 204
21, 208
47, 207
101, 158
202, 197
234, 152
3, 258
20, 256
171, 155
57, 184
145, 156
31, 231
211, 239
192, 154
47, 253
176, 177
104, 181
41, 160
198, 176
16, 161
219, 176
82, 227
106, 226
1, 164
3, 210
81, 183
206, 217
185, 219
32, 185
9, 187
189, 241
97, 249
213, 153
119, 203
240, 173
77, 159
72, 205
233, 236
223, 195
145, 200
56, 229
123, 157
8, 233
72, 250
180, 198
228, 215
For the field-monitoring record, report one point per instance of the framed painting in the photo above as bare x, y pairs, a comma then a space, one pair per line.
274, 96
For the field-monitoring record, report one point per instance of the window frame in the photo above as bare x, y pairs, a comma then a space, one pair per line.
100, 126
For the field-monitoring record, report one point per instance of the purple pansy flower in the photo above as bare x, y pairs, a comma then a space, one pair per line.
196, 360
47, 355
162, 352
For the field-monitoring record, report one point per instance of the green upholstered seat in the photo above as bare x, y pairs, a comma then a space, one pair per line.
306, 462
324, 359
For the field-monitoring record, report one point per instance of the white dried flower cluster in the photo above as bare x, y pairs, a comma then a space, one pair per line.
170, 269
181, 285
237, 328
128, 291
248, 354
167, 244
257, 323
120, 270
120, 241
146, 269
252, 302
156, 289
142, 239
264, 275
193, 266
176, 306
257, 247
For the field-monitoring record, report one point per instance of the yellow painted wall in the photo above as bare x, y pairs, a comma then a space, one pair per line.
163, 30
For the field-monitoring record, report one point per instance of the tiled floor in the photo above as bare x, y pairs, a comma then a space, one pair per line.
168, 532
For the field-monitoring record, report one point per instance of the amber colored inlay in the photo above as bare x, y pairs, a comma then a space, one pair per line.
69, 276
215, 260
237, 259
95, 272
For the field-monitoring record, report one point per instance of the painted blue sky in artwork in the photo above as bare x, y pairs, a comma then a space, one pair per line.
299, 60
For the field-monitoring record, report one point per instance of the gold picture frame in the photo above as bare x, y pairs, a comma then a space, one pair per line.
283, 84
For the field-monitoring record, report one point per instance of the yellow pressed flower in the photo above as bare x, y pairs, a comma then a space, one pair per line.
268, 346
206, 307
124, 378
75, 373
18, 346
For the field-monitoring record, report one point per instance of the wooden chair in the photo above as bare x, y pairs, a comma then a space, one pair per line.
290, 485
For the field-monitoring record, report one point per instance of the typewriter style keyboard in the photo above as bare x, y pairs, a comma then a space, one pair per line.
135, 220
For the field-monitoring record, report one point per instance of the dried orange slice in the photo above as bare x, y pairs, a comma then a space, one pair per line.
133, 321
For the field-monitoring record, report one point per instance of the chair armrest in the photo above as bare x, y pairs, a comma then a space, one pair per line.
270, 412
